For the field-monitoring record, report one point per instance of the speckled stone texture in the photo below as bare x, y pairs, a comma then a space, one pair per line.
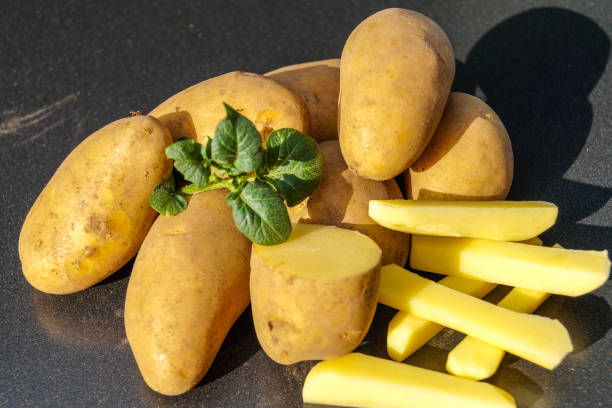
70, 67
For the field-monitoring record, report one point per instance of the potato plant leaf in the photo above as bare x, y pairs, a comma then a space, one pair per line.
191, 160
165, 200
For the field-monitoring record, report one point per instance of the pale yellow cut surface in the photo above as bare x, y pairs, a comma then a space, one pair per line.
498, 220
552, 270
407, 333
538, 339
319, 252
357, 380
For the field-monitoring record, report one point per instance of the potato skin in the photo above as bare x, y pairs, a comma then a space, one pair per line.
469, 157
195, 112
94, 213
342, 199
318, 83
185, 292
292, 325
396, 72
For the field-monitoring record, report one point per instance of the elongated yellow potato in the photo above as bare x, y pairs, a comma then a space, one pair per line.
396, 71
498, 220
357, 380
94, 213
551, 270
318, 83
407, 333
314, 296
538, 339
195, 112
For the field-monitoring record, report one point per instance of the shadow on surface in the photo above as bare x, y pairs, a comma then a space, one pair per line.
525, 391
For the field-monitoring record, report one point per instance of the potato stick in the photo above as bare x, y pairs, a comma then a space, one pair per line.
551, 270
499, 220
357, 380
532, 241
408, 333
477, 360
538, 339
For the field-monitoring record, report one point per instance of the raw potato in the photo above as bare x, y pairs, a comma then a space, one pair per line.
318, 83
553, 270
195, 112
94, 213
357, 380
468, 158
499, 220
314, 296
396, 72
185, 292
407, 333
342, 200
538, 339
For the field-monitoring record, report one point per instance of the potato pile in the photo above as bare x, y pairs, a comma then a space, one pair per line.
382, 112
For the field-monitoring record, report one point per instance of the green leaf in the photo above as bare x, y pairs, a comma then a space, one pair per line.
191, 160
165, 200
293, 165
237, 144
260, 214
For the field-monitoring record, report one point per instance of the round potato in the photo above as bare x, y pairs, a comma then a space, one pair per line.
342, 199
94, 213
318, 83
468, 158
189, 284
396, 72
195, 112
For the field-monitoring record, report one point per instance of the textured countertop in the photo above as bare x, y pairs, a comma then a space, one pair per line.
70, 67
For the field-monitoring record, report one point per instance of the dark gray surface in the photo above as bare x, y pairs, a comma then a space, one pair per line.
70, 68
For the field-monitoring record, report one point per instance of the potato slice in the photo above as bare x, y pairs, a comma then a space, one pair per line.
499, 220
314, 296
407, 333
552, 270
477, 360
358, 380
538, 339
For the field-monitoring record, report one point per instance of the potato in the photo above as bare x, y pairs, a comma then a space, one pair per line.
396, 72
314, 296
468, 158
358, 380
93, 214
342, 200
318, 83
195, 112
186, 291
538, 339
553, 270
499, 220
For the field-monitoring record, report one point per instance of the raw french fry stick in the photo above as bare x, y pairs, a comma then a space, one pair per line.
551, 270
407, 333
498, 220
477, 360
357, 380
538, 339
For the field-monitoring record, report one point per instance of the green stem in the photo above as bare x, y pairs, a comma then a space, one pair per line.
223, 183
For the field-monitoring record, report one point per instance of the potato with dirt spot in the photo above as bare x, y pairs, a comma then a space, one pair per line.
94, 213
318, 83
195, 112
186, 291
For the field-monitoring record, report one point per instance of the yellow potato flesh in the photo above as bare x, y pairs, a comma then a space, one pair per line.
407, 333
357, 380
498, 220
552, 270
538, 339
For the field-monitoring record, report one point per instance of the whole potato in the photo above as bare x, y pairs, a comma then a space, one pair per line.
396, 72
342, 199
94, 213
189, 284
318, 83
195, 112
468, 158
